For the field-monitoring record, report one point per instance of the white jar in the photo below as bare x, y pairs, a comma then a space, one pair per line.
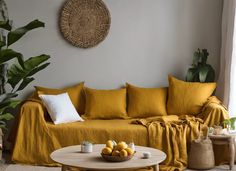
146, 155
132, 146
88, 148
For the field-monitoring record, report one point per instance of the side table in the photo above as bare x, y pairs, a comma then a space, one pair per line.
225, 140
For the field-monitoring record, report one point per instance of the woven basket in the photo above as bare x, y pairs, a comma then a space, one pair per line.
116, 158
84, 23
201, 155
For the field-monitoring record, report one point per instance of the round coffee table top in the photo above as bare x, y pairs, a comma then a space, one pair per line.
72, 156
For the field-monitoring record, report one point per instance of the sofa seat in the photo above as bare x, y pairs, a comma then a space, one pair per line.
99, 131
36, 137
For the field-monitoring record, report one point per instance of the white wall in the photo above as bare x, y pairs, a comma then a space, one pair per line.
148, 40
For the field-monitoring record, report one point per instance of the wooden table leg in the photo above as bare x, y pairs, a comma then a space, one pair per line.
232, 153
63, 168
156, 167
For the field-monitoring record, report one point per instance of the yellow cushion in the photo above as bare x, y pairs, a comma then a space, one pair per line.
187, 97
146, 102
105, 104
75, 93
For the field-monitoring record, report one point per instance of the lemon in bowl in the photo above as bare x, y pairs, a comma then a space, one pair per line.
117, 152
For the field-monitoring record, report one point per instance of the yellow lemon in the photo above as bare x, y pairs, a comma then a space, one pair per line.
123, 153
106, 150
115, 153
115, 148
121, 142
129, 151
110, 144
121, 145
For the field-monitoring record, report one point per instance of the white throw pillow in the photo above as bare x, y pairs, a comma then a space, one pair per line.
60, 108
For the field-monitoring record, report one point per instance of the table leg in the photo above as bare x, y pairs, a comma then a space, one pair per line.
69, 168
156, 167
232, 153
63, 168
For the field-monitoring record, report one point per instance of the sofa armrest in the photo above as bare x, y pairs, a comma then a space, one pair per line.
31, 113
214, 112
32, 129
34, 111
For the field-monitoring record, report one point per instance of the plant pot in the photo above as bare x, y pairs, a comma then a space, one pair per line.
87, 148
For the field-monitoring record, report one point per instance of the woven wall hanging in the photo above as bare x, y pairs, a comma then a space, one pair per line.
84, 23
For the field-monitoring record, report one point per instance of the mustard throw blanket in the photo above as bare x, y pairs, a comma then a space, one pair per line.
173, 134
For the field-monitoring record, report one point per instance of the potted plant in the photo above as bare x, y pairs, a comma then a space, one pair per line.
17, 74
229, 123
200, 71
86, 147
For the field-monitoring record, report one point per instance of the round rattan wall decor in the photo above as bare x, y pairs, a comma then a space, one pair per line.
84, 23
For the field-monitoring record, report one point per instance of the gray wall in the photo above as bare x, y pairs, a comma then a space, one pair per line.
148, 40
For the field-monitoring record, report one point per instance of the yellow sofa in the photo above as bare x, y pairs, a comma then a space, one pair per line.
36, 136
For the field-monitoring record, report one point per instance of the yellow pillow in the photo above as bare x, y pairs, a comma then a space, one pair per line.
146, 102
105, 104
75, 93
187, 98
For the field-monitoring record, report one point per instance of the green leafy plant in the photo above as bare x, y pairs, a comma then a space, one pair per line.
85, 143
200, 71
19, 73
230, 123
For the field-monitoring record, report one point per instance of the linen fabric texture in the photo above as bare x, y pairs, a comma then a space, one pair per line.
187, 98
75, 93
60, 108
105, 104
146, 102
164, 133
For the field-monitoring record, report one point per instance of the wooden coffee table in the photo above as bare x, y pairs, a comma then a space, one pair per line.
71, 157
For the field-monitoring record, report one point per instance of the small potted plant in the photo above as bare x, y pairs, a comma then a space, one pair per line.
229, 123
200, 70
86, 147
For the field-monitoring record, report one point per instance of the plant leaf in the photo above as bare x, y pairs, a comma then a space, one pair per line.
15, 35
24, 83
191, 74
205, 55
2, 43
17, 73
11, 104
211, 74
5, 25
34, 62
6, 116
37, 69
3, 73
196, 58
203, 71
8, 54
7, 96
3, 124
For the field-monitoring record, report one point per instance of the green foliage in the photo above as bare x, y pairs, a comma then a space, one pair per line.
15, 35
5, 25
230, 123
18, 74
200, 71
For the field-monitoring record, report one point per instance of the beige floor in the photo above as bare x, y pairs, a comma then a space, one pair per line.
16, 167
